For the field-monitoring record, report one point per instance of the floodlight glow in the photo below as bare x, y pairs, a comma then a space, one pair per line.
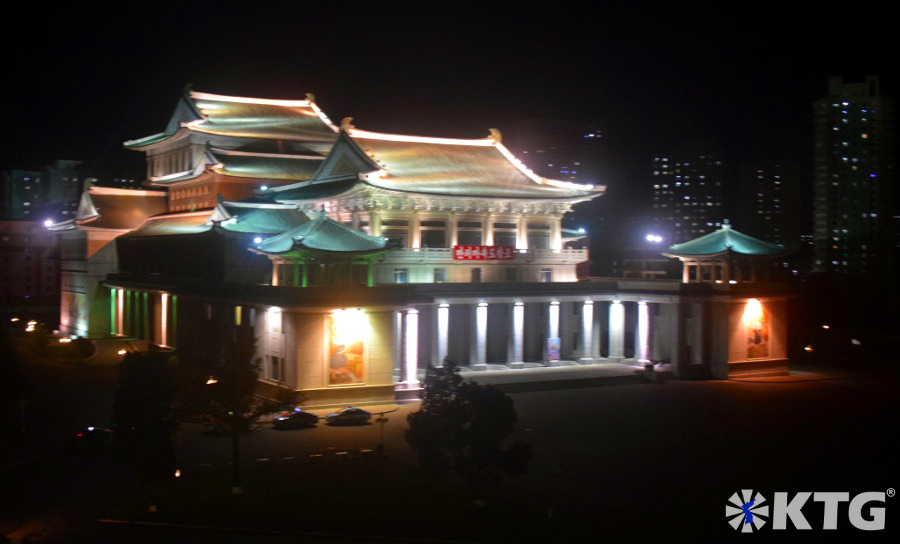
349, 326
48, 223
753, 314
654, 238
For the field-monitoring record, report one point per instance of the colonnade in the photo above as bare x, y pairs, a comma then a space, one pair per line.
578, 338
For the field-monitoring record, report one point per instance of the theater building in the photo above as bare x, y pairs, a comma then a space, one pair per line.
392, 254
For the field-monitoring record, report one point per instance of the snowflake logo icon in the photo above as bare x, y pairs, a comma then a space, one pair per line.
747, 511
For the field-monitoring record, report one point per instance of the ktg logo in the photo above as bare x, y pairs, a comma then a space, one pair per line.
747, 511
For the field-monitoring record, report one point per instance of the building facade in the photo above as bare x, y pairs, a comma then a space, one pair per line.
395, 253
853, 175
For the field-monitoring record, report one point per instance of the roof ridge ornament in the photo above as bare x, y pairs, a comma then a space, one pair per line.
496, 135
347, 124
311, 98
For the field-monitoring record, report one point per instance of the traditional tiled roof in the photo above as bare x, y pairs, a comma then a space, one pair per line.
258, 216
723, 241
240, 117
323, 234
118, 209
432, 166
174, 223
258, 165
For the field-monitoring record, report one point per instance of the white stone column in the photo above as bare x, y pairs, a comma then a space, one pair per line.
616, 330
552, 327
415, 231
411, 349
452, 231
481, 323
443, 330
518, 335
164, 319
587, 331
555, 233
642, 334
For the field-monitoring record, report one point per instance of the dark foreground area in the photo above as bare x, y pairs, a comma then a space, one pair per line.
619, 462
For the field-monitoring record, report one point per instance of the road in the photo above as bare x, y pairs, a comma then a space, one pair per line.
626, 460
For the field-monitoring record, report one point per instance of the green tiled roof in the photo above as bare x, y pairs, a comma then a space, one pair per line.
323, 234
724, 240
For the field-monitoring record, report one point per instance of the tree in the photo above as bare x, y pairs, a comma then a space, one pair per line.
142, 410
225, 395
461, 427
15, 388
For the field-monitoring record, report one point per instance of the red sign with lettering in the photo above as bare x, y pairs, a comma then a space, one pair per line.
483, 253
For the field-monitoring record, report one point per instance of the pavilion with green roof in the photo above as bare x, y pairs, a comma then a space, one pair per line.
725, 256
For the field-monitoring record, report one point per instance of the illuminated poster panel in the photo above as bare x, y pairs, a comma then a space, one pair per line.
757, 327
553, 349
346, 345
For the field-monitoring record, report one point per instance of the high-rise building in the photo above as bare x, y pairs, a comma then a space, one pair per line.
769, 201
853, 178
688, 192
51, 193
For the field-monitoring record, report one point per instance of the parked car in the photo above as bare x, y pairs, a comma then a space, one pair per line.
348, 416
295, 419
90, 439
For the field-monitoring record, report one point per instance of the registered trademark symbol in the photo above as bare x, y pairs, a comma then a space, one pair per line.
890, 492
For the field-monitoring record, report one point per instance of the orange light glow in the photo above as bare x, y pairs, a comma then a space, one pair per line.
753, 314
349, 326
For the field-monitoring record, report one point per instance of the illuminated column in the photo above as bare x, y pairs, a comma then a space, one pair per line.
113, 300
411, 350
616, 330
163, 319
120, 310
642, 335
552, 327
452, 232
518, 331
274, 272
587, 331
686, 272
443, 326
555, 234
481, 316
488, 229
398, 346
375, 223
415, 232
522, 233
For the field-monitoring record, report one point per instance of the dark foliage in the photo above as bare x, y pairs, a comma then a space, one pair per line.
15, 389
142, 411
223, 396
461, 428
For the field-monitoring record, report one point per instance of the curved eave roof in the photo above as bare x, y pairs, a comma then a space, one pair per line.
173, 223
118, 209
723, 242
452, 167
260, 118
149, 141
265, 166
323, 234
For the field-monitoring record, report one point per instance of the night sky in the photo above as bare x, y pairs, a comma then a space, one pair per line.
81, 81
